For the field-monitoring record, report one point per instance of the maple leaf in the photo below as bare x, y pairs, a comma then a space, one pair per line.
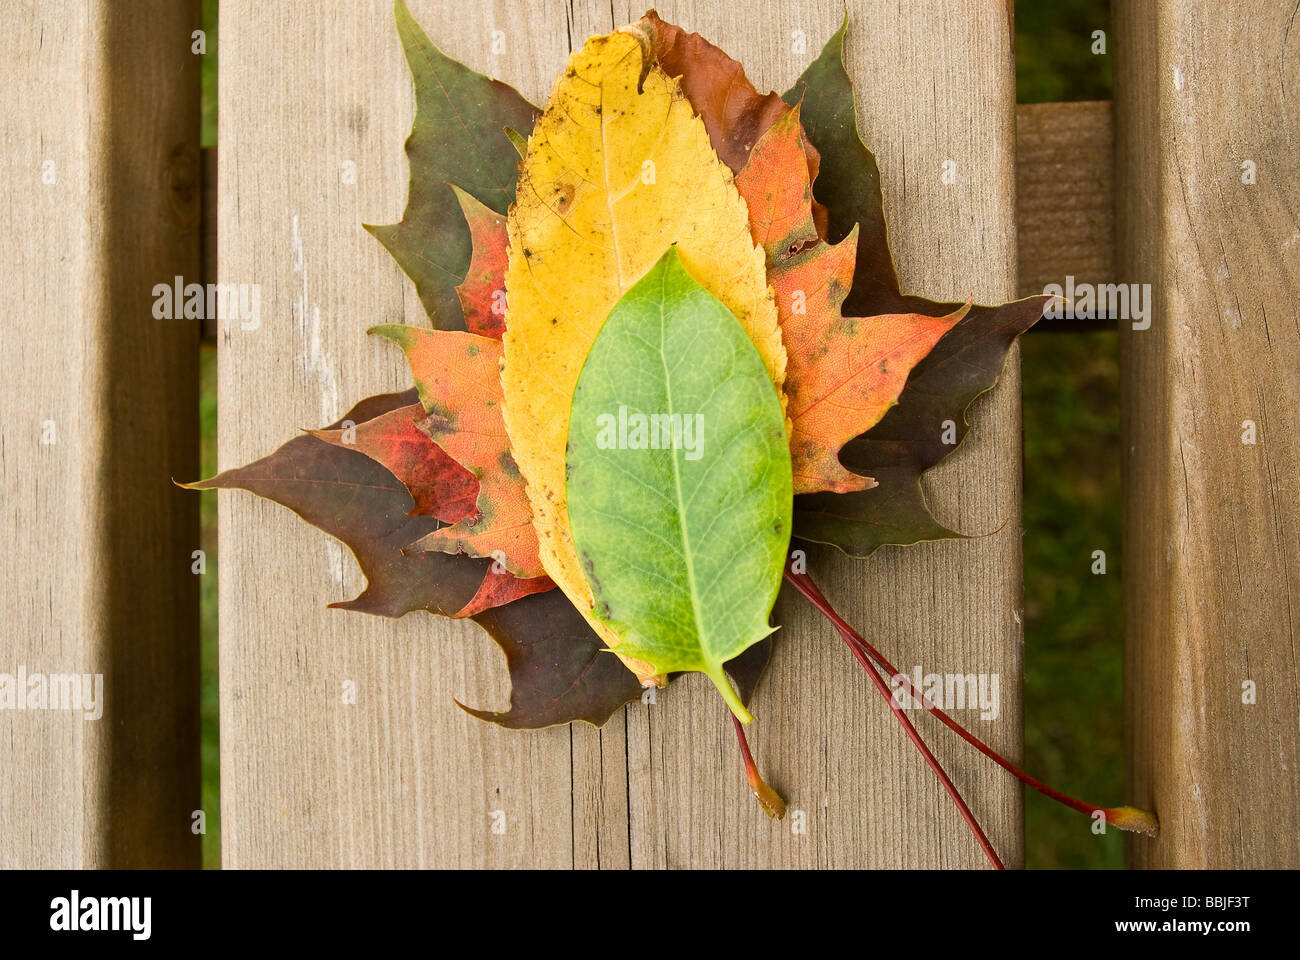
908, 439
843, 373
618, 168
439, 486
456, 376
966, 362
457, 135
559, 669
483, 291
356, 500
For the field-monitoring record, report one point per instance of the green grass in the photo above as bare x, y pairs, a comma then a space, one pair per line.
1073, 620
1074, 637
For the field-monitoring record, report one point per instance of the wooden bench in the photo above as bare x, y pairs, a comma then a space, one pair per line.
97, 577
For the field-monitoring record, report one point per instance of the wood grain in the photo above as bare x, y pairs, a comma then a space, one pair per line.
1212, 525
822, 734
208, 227
99, 412
402, 778
1065, 203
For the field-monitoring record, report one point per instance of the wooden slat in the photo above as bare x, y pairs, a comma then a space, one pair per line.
1212, 525
100, 203
823, 734
402, 777
1065, 201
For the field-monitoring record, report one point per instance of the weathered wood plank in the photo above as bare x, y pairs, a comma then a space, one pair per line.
100, 202
1065, 203
402, 777
1212, 523
823, 735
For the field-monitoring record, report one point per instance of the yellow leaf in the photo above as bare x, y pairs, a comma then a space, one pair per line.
618, 168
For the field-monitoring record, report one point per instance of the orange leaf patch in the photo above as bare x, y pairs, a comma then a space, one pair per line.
482, 293
457, 375
440, 486
843, 373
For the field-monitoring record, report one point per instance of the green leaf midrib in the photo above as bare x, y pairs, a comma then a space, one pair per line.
693, 590
714, 671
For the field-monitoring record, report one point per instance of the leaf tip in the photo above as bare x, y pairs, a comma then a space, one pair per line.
517, 140
402, 16
395, 332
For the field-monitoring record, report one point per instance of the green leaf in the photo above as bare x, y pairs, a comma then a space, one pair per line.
458, 136
682, 532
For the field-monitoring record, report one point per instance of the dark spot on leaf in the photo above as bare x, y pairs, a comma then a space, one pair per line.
437, 422
565, 193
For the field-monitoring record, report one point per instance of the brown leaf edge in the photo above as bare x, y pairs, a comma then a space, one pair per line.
359, 502
559, 669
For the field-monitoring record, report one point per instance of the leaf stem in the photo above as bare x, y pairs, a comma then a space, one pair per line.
729, 694
1123, 818
805, 586
771, 802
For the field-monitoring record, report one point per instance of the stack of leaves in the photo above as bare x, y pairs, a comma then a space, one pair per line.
665, 335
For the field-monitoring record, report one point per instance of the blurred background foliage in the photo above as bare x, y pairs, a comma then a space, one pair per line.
1073, 618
